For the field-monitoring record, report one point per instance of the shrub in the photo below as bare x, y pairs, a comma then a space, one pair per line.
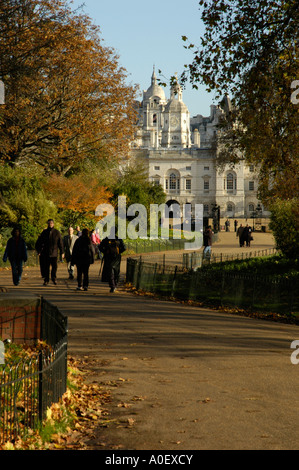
285, 226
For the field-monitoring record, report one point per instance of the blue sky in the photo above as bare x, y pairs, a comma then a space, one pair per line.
148, 33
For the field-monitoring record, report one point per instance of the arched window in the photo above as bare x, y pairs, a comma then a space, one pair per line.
230, 184
173, 181
251, 207
230, 181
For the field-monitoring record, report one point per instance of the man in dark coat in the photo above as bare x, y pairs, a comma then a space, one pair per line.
16, 253
240, 235
83, 256
207, 242
47, 246
112, 248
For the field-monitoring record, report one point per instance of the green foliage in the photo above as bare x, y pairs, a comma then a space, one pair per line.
133, 183
285, 226
71, 218
24, 202
278, 266
250, 51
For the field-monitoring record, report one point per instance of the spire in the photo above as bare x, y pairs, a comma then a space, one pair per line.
154, 77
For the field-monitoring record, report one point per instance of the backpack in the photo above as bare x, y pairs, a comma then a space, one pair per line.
112, 250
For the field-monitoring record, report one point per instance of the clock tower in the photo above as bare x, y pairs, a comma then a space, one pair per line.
176, 129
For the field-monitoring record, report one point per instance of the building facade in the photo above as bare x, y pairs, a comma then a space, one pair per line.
180, 155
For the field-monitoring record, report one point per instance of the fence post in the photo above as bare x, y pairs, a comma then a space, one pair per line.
40, 387
173, 282
139, 274
154, 278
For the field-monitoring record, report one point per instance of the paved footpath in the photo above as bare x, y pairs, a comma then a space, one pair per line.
182, 377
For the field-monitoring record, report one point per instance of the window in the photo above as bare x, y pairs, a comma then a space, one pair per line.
251, 185
206, 185
251, 168
172, 182
188, 184
156, 182
251, 207
206, 208
155, 119
157, 168
206, 168
230, 182
230, 207
188, 168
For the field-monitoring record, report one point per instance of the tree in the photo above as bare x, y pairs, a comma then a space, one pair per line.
77, 197
250, 50
133, 183
285, 226
66, 96
24, 203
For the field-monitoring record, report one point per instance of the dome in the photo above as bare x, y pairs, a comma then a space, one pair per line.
176, 106
154, 90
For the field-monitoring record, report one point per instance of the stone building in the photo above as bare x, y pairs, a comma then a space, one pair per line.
180, 155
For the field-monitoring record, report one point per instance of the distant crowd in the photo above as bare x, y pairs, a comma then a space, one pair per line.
79, 250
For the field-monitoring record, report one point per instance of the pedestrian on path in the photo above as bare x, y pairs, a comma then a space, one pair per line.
16, 253
240, 235
112, 248
83, 256
227, 225
47, 246
68, 244
95, 240
207, 242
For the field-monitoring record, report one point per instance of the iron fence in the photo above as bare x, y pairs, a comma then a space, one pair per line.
220, 288
193, 260
29, 387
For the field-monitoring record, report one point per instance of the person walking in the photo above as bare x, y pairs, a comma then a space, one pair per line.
246, 235
47, 246
112, 249
207, 242
83, 256
95, 240
68, 245
16, 253
240, 235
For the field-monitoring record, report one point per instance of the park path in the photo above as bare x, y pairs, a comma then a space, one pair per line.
181, 377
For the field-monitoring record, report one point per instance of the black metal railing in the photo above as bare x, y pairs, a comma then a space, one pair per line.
28, 387
220, 288
193, 260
